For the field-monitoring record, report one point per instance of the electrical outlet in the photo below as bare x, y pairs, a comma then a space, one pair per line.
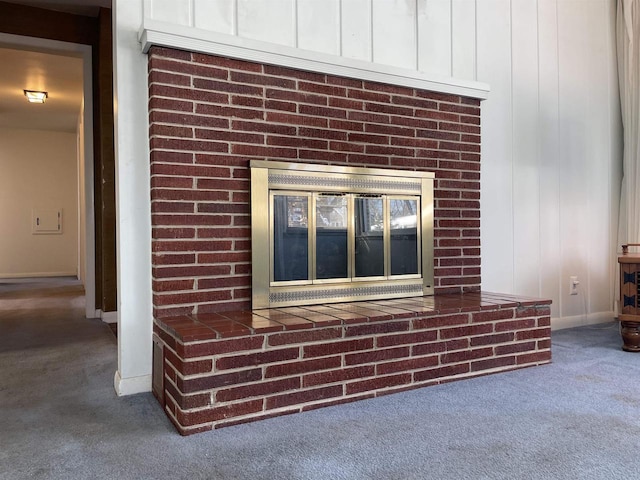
573, 285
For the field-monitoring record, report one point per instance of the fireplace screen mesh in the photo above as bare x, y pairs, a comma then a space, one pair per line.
325, 234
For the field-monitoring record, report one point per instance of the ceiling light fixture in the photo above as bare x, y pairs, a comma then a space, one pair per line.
35, 96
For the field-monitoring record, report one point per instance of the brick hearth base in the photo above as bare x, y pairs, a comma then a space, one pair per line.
214, 370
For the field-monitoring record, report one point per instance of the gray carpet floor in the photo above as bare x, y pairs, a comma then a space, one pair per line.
60, 419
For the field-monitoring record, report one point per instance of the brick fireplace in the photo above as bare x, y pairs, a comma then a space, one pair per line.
216, 362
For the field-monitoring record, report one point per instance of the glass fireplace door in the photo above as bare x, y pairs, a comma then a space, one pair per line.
369, 237
290, 238
322, 234
332, 237
404, 236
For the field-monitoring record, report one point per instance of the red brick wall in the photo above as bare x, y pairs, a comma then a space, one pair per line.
211, 382
209, 116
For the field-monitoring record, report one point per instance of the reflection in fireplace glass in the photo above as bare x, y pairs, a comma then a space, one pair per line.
404, 237
369, 241
290, 238
331, 237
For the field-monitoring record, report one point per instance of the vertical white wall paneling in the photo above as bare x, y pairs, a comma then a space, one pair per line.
615, 146
394, 32
598, 199
319, 25
82, 211
135, 316
526, 182
174, 11
463, 39
434, 36
272, 21
549, 179
614, 153
576, 223
356, 29
494, 68
215, 15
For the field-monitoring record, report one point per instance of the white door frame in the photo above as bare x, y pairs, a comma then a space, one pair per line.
84, 52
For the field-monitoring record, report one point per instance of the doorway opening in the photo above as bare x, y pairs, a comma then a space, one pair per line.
47, 163
81, 32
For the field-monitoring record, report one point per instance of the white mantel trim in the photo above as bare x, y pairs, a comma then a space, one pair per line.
192, 39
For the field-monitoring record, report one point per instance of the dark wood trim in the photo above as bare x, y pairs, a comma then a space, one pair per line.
105, 164
41, 23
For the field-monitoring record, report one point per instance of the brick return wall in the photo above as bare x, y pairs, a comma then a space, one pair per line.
215, 370
209, 116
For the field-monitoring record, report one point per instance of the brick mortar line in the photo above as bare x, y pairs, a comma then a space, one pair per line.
201, 264
412, 384
198, 165
493, 356
390, 156
392, 122
297, 91
300, 359
319, 139
382, 335
329, 401
297, 88
259, 132
262, 73
217, 277
267, 136
286, 392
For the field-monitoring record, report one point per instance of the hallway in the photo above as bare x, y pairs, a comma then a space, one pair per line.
45, 312
56, 384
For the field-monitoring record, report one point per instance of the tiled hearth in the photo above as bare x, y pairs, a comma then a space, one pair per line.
220, 369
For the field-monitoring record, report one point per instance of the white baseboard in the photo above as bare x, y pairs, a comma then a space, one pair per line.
582, 320
109, 317
131, 386
39, 274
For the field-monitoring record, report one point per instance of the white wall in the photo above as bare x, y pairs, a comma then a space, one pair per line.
414, 34
82, 203
551, 157
38, 169
133, 201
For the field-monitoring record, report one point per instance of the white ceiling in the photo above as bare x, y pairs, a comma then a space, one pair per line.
60, 76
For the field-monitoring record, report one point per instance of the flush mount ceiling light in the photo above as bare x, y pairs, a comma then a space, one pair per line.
34, 96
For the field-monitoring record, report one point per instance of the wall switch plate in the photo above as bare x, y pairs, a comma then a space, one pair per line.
573, 285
